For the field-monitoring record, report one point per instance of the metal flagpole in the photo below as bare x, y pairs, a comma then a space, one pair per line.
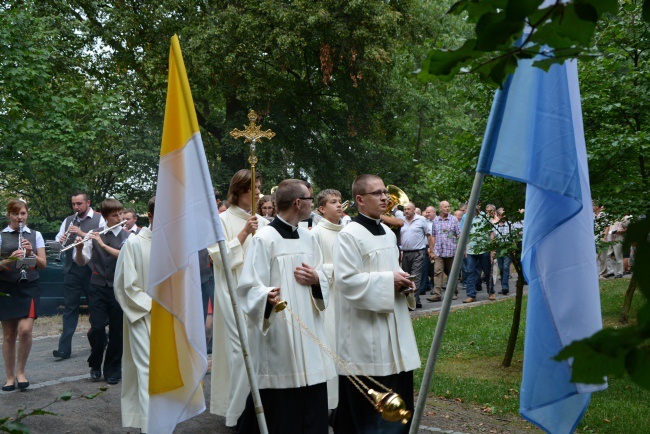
243, 339
446, 303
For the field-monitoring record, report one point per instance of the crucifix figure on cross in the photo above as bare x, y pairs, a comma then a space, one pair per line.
252, 134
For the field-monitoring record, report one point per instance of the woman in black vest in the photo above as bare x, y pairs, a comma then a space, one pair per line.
19, 310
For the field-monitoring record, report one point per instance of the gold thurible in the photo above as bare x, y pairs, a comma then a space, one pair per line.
391, 406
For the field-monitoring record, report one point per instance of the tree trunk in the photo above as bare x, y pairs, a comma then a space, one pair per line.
627, 303
516, 317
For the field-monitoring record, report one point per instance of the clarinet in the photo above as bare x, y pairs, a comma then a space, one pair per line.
67, 234
23, 273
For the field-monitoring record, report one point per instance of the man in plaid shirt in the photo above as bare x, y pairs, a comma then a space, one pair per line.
444, 234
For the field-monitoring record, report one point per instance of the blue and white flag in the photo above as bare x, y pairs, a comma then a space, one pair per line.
535, 135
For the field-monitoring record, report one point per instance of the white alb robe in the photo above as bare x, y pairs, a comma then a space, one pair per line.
282, 356
326, 233
130, 286
374, 330
229, 382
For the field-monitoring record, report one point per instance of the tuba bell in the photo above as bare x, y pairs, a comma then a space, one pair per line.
395, 197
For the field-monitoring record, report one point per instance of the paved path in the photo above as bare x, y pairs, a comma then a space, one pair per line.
50, 377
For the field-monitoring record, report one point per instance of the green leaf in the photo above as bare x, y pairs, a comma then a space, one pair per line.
445, 64
636, 364
496, 72
495, 29
547, 62
66, 396
589, 366
520, 9
15, 428
600, 6
645, 11
586, 12
574, 27
41, 412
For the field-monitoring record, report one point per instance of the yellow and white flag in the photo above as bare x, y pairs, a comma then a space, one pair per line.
185, 221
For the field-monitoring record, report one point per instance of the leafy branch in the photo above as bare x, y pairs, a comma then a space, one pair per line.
15, 424
507, 31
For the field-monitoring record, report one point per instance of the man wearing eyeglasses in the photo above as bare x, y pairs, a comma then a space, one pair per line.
284, 262
374, 331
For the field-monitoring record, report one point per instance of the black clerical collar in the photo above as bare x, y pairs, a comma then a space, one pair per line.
373, 225
284, 229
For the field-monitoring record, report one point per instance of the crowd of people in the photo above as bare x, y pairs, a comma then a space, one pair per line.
613, 258
350, 280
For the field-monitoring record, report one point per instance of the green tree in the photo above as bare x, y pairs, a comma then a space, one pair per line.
64, 123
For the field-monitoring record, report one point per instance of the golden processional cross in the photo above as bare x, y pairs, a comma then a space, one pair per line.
252, 134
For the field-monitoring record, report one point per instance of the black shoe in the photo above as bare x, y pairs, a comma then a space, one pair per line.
504, 292
95, 374
113, 379
608, 275
60, 355
23, 385
9, 388
418, 305
618, 276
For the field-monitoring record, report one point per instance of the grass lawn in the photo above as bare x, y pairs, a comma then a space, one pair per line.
469, 365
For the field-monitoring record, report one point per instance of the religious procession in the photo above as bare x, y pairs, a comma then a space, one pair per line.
359, 302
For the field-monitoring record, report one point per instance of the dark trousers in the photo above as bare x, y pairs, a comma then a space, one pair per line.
485, 266
207, 295
75, 284
300, 410
355, 414
425, 282
412, 261
105, 311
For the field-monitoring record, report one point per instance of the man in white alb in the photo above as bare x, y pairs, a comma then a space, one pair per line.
284, 262
229, 381
130, 286
374, 331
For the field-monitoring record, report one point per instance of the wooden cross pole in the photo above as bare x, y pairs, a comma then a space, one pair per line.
252, 134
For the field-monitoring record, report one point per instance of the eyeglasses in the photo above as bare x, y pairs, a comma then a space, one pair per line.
307, 198
378, 193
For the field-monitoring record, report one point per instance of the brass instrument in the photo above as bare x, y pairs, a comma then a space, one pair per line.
395, 197
87, 237
345, 205
275, 187
23, 273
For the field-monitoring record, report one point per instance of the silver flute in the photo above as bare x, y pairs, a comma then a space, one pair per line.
87, 237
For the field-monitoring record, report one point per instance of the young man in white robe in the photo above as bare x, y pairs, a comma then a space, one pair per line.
130, 286
229, 383
374, 331
330, 208
284, 263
